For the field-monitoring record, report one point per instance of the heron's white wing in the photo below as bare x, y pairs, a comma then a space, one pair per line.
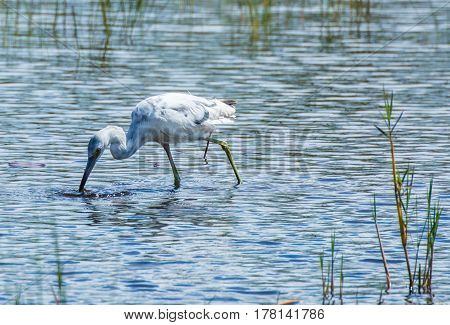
187, 110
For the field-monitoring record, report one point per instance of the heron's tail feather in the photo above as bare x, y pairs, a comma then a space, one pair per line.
223, 120
230, 102
222, 112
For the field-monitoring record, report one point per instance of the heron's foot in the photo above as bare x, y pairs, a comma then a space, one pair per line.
226, 148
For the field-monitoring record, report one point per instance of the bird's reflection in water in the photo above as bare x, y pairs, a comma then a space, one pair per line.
156, 212
126, 212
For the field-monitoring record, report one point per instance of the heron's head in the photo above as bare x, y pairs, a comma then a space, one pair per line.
96, 147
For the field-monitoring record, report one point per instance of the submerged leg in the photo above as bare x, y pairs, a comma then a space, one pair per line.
225, 148
172, 164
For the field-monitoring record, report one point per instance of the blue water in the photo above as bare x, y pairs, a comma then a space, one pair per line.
308, 80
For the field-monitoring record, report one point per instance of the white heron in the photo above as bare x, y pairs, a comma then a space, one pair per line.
164, 119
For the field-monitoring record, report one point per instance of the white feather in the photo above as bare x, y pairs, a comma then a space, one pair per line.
180, 117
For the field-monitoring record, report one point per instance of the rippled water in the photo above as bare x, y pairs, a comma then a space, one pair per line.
308, 77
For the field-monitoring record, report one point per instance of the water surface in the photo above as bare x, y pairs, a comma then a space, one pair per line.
308, 77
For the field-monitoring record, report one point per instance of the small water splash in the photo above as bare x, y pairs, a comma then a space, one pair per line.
94, 195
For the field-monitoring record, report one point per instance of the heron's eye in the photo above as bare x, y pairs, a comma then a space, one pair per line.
98, 152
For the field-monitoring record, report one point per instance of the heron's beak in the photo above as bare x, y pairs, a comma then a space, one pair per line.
89, 167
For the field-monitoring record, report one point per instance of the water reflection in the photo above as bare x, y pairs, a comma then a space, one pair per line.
91, 26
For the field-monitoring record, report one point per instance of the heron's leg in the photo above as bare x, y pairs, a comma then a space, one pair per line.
225, 148
207, 145
206, 149
172, 164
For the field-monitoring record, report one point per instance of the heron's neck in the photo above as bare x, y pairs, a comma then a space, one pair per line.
122, 146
